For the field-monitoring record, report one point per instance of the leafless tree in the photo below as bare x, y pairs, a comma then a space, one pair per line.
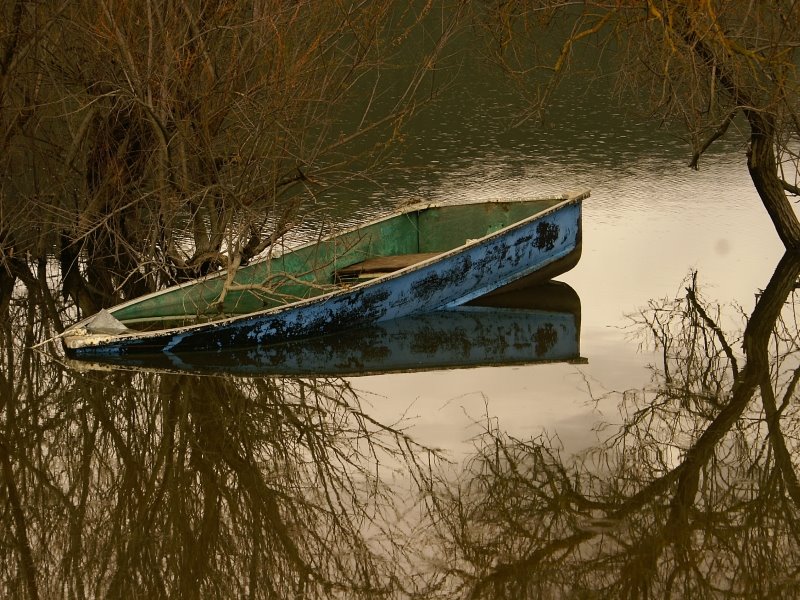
143, 143
701, 64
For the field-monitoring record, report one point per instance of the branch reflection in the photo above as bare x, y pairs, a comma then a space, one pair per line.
696, 495
155, 486
118, 484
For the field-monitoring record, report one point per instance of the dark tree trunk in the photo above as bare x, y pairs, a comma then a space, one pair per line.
6, 290
73, 285
761, 159
763, 168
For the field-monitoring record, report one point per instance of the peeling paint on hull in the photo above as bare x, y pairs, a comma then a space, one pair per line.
518, 252
538, 325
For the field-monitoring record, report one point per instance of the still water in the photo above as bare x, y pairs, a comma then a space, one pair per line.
649, 223
659, 459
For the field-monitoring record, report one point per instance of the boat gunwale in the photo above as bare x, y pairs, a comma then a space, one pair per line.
77, 337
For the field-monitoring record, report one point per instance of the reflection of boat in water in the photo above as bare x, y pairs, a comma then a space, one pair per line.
532, 325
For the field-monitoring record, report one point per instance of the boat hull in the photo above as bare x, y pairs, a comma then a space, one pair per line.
540, 324
533, 250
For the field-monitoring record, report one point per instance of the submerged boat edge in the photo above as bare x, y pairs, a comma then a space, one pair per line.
79, 341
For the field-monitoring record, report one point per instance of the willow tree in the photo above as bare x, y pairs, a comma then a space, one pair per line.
706, 65
146, 142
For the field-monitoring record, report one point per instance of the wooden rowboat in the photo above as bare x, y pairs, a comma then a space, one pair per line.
420, 259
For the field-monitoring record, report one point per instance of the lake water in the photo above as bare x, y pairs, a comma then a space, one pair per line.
582, 479
649, 223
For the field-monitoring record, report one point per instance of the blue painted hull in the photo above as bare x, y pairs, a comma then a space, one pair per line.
538, 247
539, 324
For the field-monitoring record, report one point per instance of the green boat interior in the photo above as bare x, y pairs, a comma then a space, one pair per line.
316, 268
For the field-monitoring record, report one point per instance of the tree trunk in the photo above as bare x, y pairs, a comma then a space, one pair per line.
763, 167
73, 285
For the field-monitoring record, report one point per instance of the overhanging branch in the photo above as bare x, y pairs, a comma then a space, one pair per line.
718, 133
791, 188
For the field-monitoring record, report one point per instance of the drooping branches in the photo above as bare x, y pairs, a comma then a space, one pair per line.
156, 141
699, 64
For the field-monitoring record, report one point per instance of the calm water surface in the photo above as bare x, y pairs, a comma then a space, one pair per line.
649, 223
647, 470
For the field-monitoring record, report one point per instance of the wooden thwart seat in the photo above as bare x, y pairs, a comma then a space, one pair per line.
380, 265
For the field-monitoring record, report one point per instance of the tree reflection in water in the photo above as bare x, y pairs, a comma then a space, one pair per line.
164, 486
696, 496
150, 485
